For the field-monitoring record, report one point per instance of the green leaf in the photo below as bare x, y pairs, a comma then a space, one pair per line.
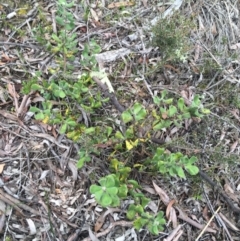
172, 110
160, 219
95, 188
90, 130
153, 229
112, 190
63, 128
139, 111
145, 201
109, 130
107, 181
158, 126
192, 160
180, 172
162, 124
115, 201
137, 224
186, 115
163, 94
192, 170
59, 93
129, 132
196, 101
36, 87
205, 111
176, 123
80, 162
181, 104
34, 109
131, 214
168, 101
56, 38
122, 191
40, 116
156, 100
105, 200
134, 183
171, 171
98, 195
160, 151
126, 116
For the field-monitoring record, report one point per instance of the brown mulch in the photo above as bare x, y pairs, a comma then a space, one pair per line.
43, 196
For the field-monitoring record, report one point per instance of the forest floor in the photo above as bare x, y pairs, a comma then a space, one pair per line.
45, 173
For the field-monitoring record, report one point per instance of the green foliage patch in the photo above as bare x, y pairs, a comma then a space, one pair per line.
63, 96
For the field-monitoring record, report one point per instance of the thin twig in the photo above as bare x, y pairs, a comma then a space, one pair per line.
210, 220
111, 226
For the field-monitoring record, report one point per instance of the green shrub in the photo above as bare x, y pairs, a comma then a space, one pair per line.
171, 36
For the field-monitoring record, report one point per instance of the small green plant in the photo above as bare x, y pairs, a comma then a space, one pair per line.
153, 223
64, 41
167, 112
170, 35
173, 163
115, 187
62, 94
88, 55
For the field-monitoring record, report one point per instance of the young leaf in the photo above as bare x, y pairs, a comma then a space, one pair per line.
39, 116
172, 110
180, 172
139, 111
105, 200
63, 128
181, 104
95, 188
192, 170
112, 190
126, 117
36, 87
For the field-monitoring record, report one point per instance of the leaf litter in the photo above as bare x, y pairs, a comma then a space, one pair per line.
44, 196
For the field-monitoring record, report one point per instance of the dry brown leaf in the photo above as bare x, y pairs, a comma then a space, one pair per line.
149, 189
205, 213
164, 115
235, 46
2, 167
230, 192
185, 96
58, 191
214, 29
197, 49
108, 35
94, 15
173, 217
120, 4
228, 222
163, 195
145, 3
235, 113
169, 207
233, 146
174, 233
101, 219
11, 90
99, 223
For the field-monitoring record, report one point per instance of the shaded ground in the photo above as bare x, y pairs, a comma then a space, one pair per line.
43, 194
